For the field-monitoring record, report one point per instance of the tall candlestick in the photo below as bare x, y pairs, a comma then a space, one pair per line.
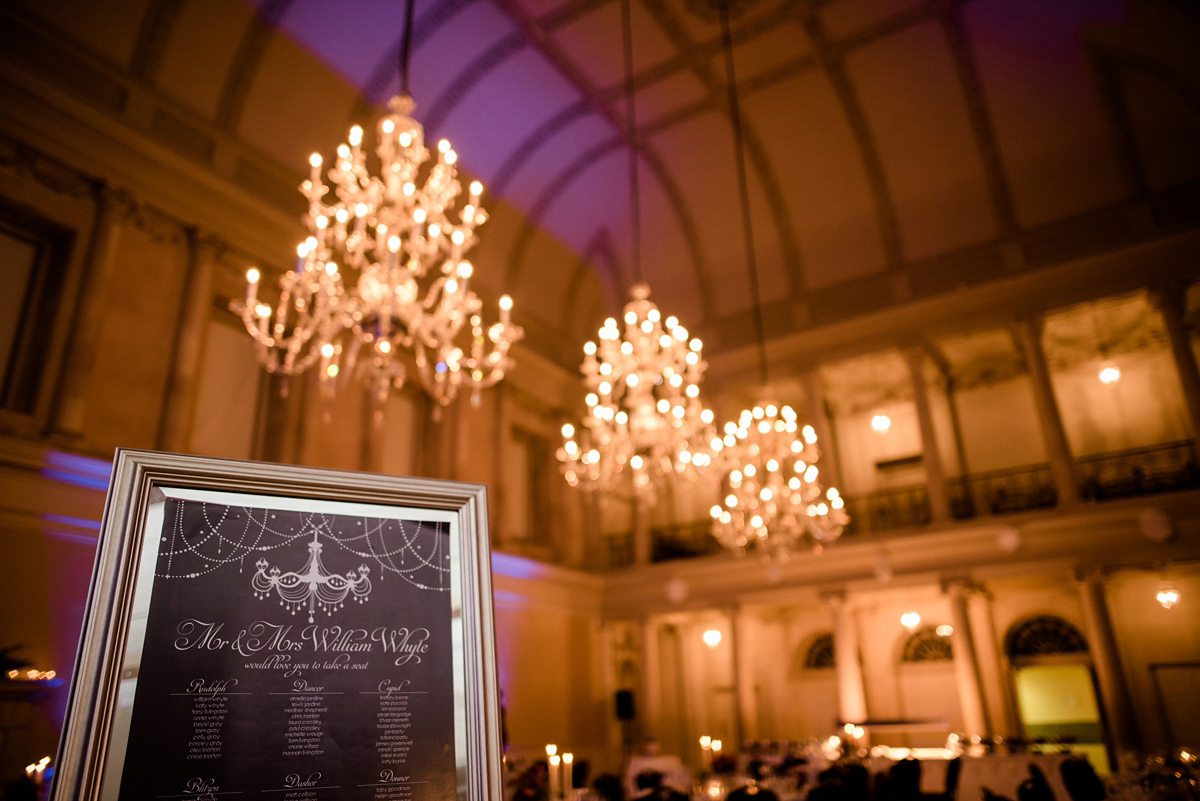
554, 791
568, 778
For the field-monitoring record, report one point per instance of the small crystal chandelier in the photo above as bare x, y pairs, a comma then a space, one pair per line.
773, 500
643, 381
394, 240
644, 410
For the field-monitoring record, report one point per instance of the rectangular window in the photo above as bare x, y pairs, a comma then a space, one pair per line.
33, 254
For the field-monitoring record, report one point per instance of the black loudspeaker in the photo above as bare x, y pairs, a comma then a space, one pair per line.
625, 705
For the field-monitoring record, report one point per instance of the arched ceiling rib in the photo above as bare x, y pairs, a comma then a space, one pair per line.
152, 38
246, 62
980, 117
1051, 119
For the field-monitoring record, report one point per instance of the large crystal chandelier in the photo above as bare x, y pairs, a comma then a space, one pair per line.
644, 420
382, 277
773, 499
644, 412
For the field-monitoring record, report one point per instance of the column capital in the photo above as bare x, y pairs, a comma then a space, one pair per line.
1091, 574
835, 599
962, 587
1029, 327
208, 246
1170, 299
115, 201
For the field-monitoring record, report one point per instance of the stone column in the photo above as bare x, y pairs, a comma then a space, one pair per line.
966, 661
175, 423
1028, 335
113, 208
935, 472
649, 706
814, 399
744, 686
1170, 303
1107, 661
852, 695
640, 519
993, 666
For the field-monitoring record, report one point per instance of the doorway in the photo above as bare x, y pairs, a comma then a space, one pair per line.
1058, 702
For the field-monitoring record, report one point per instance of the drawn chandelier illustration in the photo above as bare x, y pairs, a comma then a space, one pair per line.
312, 584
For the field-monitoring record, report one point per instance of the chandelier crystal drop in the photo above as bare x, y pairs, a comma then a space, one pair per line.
644, 418
382, 274
772, 499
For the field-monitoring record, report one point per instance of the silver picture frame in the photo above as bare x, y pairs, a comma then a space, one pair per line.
129, 578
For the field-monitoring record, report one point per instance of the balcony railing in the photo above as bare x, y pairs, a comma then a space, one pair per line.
1016, 489
890, 508
1105, 476
1141, 471
683, 540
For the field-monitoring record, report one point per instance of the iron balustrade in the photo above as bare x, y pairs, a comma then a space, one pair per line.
1138, 471
997, 492
1104, 476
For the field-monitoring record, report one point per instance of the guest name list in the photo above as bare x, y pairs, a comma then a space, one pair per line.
326, 674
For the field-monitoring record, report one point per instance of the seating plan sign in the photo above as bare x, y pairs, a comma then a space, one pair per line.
263, 631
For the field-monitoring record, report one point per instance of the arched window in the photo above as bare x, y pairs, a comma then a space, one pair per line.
1044, 634
820, 653
926, 645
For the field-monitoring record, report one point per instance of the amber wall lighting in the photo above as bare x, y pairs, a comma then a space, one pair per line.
1167, 595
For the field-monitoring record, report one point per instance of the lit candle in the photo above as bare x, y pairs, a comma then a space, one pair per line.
568, 778
252, 276
706, 748
505, 309
554, 761
315, 161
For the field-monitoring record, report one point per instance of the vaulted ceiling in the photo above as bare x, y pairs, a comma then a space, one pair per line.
897, 149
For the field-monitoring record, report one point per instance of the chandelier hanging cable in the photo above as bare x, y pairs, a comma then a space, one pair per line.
644, 413
393, 239
773, 500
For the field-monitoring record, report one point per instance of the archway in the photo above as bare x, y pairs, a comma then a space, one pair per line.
1055, 688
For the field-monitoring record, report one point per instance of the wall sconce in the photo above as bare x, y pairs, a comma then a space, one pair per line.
945, 630
910, 620
712, 638
1167, 595
881, 423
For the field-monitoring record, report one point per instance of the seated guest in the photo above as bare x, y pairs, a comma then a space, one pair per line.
532, 784
608, 788
1081, 780
754, 791
651, 788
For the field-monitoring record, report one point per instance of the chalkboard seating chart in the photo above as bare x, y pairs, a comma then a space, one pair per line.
294, 656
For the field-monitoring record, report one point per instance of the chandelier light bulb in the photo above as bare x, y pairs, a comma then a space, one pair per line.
910, 620
366, 284
881, 423
1109, 374
712, 638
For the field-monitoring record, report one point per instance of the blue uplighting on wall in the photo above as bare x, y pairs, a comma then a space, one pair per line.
78, 471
